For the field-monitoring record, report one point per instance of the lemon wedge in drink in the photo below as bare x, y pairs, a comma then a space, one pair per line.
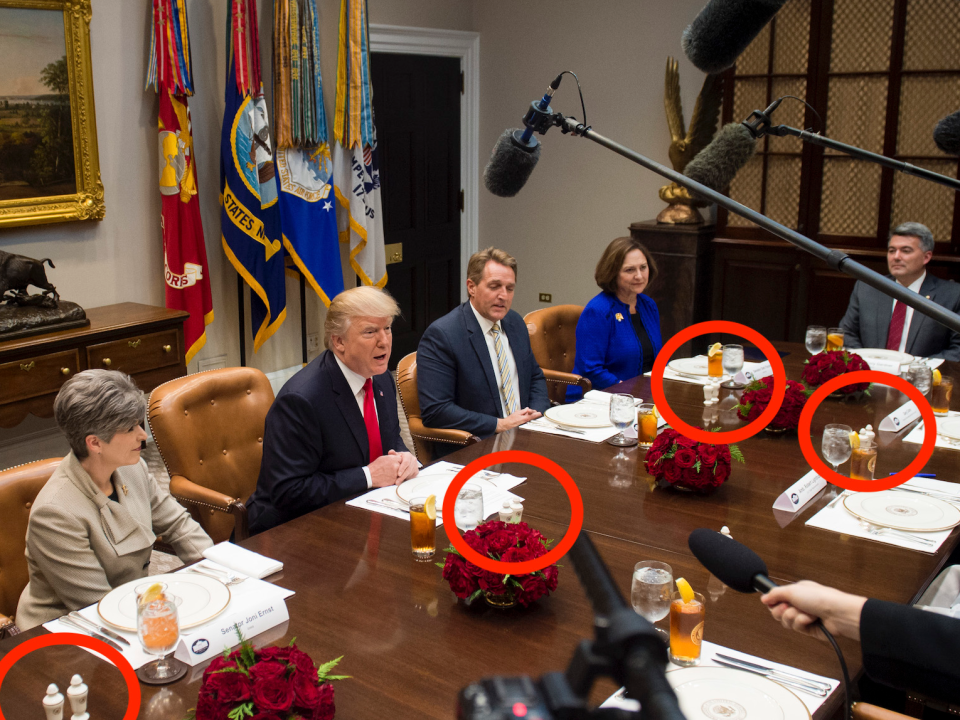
937, 377
655, 413
686, 592
430, 507
715, 349
154, 592
835, 339
854, 440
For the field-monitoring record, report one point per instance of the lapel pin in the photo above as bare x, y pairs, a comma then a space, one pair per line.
381, 393
124, 488
619, 317
928, 297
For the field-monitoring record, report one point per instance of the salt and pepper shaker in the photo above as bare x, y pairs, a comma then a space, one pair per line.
726, 531
77, 694
53, 703
506, 512
516, 508
711, 392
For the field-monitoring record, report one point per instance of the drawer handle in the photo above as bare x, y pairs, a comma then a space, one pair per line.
167, 348
27, 367
134, 343
65, 371
107, 362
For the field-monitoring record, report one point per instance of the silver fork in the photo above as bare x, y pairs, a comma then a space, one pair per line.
879, 530
229, 580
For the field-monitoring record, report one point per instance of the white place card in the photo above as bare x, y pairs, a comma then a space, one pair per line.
760, 370
901, 417
800, 493
887, 366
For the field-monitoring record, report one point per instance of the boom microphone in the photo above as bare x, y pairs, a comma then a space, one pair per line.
718, 163
724, 29
736, 565
947, 134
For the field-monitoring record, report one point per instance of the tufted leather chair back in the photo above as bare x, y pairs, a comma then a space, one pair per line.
553, 336
19, 487
407, 386
209, 429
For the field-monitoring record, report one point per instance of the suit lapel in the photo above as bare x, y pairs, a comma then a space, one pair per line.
347, 404
380, 390
479, 344
927, 289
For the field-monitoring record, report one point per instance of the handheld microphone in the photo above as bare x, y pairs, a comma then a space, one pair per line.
724, 29
736, 565
947, 134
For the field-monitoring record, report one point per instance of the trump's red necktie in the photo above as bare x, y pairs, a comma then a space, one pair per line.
370, 420
896, 326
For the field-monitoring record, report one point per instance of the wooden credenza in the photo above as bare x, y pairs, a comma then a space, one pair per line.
143, 341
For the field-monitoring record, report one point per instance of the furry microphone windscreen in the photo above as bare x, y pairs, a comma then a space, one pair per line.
718, 163
947, 134
724, 29
510, 165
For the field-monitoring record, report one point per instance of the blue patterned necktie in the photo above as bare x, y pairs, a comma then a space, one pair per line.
506, 381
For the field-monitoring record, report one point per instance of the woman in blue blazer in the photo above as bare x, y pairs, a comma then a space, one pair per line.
618, 334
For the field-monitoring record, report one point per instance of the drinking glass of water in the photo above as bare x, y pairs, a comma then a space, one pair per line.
836, 444
732, 364
816, 339
468, 510
650, 591
623, 413
920, 376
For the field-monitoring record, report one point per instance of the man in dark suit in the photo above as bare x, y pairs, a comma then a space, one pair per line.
475, 369
333, 430
875, 320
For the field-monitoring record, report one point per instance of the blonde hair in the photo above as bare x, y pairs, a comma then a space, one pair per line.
479, 260
99, 403
363, 301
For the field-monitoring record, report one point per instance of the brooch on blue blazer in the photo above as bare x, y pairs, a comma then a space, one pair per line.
619, 317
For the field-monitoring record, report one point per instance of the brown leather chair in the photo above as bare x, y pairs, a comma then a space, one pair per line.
18, 489
423, 437
209, 431
553, 339
866, 711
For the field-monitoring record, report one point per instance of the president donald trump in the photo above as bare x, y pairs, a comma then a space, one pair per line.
333, 430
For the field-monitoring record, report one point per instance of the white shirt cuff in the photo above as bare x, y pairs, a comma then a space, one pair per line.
366, 474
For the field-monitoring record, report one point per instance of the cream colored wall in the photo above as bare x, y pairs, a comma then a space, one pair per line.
581, 195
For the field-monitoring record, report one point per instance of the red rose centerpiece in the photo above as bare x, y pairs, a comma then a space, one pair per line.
756, 397
828, 365
509, 542
270, 684
674, 460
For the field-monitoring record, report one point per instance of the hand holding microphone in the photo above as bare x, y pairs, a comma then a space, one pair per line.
799, 606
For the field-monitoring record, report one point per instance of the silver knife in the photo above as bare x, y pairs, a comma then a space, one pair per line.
102, 638
815, 684
818, 691
77, 617
389, 507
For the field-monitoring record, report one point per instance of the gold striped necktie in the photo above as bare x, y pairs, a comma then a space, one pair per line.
506, 381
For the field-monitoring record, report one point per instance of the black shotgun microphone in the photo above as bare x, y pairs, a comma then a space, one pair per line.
947, 134
724, 29
735, 564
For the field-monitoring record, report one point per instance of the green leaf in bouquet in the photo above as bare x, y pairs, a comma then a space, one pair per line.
241, 711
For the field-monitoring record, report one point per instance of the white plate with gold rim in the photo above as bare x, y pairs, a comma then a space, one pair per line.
437, 484
712, 693
949, 427
580, 415
695, 366
201, 599
903, 511
883, 354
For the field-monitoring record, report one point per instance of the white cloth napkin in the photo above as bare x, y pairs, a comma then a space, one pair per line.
246, 562
602, 396
916, 435
669, 374
594, 435
708, 652
836, 518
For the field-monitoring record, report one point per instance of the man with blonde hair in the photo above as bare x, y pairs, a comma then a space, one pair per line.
475, 368
333, 430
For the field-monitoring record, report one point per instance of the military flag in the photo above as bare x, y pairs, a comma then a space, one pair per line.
186, 282
250, 219
356, 171
304, 166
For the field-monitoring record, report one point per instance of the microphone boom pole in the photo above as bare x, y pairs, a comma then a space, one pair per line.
834, 258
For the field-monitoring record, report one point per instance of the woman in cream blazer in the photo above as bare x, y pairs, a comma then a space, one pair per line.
93, 525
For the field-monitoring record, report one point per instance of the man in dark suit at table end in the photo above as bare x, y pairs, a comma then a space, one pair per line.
475, 369
875, 320
333, 430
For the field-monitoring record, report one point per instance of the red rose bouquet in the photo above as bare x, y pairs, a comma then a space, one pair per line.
676, 460
828, 365
756, 397
273, 683
510, 542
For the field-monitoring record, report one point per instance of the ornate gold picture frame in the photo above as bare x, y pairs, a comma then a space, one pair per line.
47, 116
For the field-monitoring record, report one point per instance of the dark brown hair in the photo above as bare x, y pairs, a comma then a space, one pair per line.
608, 269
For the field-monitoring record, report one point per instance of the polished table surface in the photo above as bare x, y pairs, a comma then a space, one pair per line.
410, 646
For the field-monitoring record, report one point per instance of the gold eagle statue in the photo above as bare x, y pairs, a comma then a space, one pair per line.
685, 144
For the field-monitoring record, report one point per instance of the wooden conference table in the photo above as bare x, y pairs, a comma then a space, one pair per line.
410, 646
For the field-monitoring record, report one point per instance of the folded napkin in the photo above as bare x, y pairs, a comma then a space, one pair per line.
601, 396
133, 652
916, 435
594, 435
708, 652
836, 518
243, 561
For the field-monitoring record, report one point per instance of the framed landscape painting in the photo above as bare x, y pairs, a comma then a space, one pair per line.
49, 164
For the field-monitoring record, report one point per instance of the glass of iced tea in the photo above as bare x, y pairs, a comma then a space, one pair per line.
686, 629
715, 360
863, 461
646, 424
940, 394
834, 339
158, 629
423, 527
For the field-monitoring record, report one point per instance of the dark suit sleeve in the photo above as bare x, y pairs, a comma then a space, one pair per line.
292, 452
851, 320
437, 369
952, 351
912, 649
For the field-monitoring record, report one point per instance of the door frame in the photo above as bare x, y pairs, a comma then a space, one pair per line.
466, 46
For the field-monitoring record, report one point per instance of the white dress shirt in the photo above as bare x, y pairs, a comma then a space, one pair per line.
485, 326
356, 383
915, 286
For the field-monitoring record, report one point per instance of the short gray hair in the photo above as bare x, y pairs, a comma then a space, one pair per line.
918, 230
363, 301
100, 403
